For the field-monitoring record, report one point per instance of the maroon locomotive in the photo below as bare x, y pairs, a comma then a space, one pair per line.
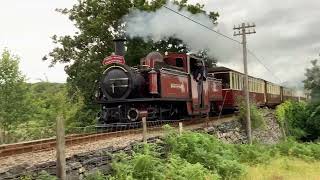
175, 86
161, 87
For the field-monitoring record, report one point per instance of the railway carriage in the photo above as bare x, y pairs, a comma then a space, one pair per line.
233, 84
287, 94
273, 94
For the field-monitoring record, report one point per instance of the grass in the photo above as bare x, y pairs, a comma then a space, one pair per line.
284, 168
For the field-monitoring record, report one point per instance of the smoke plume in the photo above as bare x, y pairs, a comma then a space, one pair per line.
163, 23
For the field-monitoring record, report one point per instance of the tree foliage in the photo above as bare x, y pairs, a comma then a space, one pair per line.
97, 21
300, 120
292, 116
14, 97
312, 81
257, 120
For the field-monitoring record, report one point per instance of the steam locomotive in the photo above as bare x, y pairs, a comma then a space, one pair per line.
167, 87
175, 86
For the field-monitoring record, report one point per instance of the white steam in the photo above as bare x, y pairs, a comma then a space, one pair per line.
164, 23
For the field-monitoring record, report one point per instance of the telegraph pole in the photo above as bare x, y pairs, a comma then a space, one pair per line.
242, 30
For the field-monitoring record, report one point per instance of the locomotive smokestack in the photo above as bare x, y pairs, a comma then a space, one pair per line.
119, 46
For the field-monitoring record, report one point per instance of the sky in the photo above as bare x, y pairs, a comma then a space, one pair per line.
26, 30
287, 37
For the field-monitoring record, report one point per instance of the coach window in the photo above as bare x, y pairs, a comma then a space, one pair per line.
232, 86
261, 87
225, 77
269, 88
254, 85
237, 80
240, 82
179, 62
231, 80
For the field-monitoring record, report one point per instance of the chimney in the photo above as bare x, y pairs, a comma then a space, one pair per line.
119, 46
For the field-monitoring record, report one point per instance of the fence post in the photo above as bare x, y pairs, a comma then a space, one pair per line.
144, 133
180, 128
61, 159
207, 121
1, 136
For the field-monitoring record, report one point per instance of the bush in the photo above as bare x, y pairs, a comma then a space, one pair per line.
300, 120
201, 156
257, 120
254, 154
97, 175
43, 175
313, 122
208, 151
178, 168
144, 164
307, 151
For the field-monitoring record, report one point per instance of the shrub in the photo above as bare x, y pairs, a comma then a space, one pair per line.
313, 122
257, 120
178, 168
96, 175
307, 151
208, 151
201, 156
43, 175
254, 154
144, 164
292, 116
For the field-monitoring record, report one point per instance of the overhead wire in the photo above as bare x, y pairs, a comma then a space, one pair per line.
225, 36
202, 25
266, 67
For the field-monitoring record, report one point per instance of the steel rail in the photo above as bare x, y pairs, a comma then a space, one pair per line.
50, 143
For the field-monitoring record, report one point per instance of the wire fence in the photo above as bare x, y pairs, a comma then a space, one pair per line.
85, 147
31, 132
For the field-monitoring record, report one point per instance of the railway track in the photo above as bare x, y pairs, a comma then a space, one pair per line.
71, 140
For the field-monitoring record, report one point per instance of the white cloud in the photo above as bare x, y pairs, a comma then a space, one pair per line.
287, 33
26, 28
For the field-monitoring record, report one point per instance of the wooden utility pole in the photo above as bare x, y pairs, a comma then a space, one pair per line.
242, 30
61, 159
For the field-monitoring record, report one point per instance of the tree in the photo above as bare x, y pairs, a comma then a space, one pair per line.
14, 105
312, 81
97, 21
